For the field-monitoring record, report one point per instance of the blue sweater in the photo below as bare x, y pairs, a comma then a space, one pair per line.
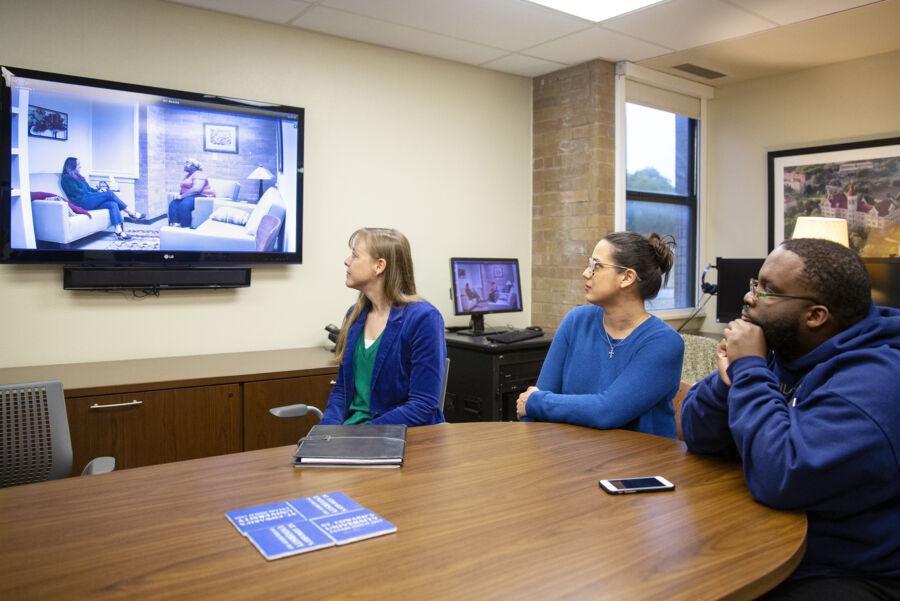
830, 447
581, 384
408, 371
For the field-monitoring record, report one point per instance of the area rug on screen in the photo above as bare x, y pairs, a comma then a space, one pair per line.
137, 240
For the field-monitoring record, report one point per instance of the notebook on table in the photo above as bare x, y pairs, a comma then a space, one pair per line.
352, 446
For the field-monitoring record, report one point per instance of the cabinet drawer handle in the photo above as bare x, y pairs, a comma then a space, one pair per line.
133, 403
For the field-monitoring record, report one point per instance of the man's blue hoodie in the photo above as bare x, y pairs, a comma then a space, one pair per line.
819, 434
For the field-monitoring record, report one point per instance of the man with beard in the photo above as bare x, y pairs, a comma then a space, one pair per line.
808, 395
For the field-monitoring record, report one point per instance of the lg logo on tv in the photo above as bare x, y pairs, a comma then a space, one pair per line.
168, 256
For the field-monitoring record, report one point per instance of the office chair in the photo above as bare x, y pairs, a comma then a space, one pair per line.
300, 409
35, 435
699, 362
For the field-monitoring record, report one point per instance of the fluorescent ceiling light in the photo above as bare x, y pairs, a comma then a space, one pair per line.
596, 10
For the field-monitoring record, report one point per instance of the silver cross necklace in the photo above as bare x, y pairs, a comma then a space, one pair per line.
612, 347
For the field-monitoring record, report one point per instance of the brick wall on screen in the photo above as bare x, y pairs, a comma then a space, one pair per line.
573, 182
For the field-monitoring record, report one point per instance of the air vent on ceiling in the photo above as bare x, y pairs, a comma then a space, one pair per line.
697, 70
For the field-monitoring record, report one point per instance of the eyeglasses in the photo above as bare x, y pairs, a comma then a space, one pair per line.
594, 265
757, 294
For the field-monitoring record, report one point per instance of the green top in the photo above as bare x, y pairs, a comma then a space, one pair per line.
363, 364
75, 189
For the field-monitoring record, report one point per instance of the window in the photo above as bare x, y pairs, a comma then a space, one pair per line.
661, 192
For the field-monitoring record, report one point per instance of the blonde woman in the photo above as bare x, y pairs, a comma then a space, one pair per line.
391, 346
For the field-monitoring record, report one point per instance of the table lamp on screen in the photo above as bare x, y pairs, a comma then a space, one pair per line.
827, 228
261, 174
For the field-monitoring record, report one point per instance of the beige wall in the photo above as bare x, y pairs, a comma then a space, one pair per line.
849, 101
440, 150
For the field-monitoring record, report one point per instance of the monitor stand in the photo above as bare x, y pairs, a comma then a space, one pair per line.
477, 328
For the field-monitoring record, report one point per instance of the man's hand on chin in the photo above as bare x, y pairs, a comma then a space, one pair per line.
743, 339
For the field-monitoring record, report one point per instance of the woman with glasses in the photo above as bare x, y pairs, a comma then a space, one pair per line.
391, 346
612, 364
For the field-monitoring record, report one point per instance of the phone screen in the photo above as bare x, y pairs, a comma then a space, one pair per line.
636, 483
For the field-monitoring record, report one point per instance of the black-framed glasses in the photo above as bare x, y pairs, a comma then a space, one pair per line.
595, 264
757, 294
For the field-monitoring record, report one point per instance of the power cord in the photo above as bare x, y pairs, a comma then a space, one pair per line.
694, 314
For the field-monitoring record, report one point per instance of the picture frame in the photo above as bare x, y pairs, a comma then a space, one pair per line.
47, 123
218, 137
856, 181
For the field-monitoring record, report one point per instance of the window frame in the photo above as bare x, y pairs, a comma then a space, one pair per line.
626, 72
688, 200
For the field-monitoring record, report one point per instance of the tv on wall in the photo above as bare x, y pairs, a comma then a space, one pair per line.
140, 143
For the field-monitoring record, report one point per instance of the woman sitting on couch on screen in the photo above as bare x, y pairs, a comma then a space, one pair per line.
391, 346
81, 193
194, 184
612, 364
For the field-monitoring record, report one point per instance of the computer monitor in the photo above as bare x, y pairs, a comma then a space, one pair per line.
733, 280
885, 276
482, 286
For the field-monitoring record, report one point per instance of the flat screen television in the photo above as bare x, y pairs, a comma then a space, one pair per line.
733, 281
138, 141
482, 286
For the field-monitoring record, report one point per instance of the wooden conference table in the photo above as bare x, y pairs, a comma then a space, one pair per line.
497, 510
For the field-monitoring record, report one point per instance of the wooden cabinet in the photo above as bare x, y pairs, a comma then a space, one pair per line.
262, 429
158, 426
148, 411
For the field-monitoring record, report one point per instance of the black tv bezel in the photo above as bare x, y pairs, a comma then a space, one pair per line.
486, 260
136, 258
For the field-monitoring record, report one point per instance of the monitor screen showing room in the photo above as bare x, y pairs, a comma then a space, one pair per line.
142, 144
733, 280
482, 286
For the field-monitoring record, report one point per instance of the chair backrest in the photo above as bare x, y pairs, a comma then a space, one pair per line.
225, 188
683, 388
699, 357
46, 182
35, 433
267, 233
444, 382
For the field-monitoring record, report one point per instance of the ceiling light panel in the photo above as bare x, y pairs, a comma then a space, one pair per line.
595, 11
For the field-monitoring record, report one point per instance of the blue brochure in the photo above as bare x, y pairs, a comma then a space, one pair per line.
306, 524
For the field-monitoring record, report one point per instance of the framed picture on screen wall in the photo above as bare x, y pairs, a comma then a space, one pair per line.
856, 181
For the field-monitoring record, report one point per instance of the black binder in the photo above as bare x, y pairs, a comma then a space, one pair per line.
352, 446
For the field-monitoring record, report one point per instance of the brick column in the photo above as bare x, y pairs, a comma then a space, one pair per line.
573, 182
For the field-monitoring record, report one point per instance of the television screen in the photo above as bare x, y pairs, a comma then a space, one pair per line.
485, 286
733, 280
98, 172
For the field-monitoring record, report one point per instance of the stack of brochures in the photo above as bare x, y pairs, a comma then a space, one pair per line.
352, 446
291, 527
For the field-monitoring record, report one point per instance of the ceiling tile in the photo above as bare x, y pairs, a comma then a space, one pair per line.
357, 27
275, 11
507, 24
681, 24
519, 64
596, 43
784, 13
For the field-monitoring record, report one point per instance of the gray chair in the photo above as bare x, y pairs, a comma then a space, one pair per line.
300, 409
35, 435
699, 362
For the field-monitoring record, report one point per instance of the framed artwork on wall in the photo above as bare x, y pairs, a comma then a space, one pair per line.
220, 138
47, 123
856, 181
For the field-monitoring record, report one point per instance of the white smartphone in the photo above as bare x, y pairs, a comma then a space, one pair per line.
626, 486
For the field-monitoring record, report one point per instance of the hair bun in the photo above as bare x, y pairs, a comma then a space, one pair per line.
662, 250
